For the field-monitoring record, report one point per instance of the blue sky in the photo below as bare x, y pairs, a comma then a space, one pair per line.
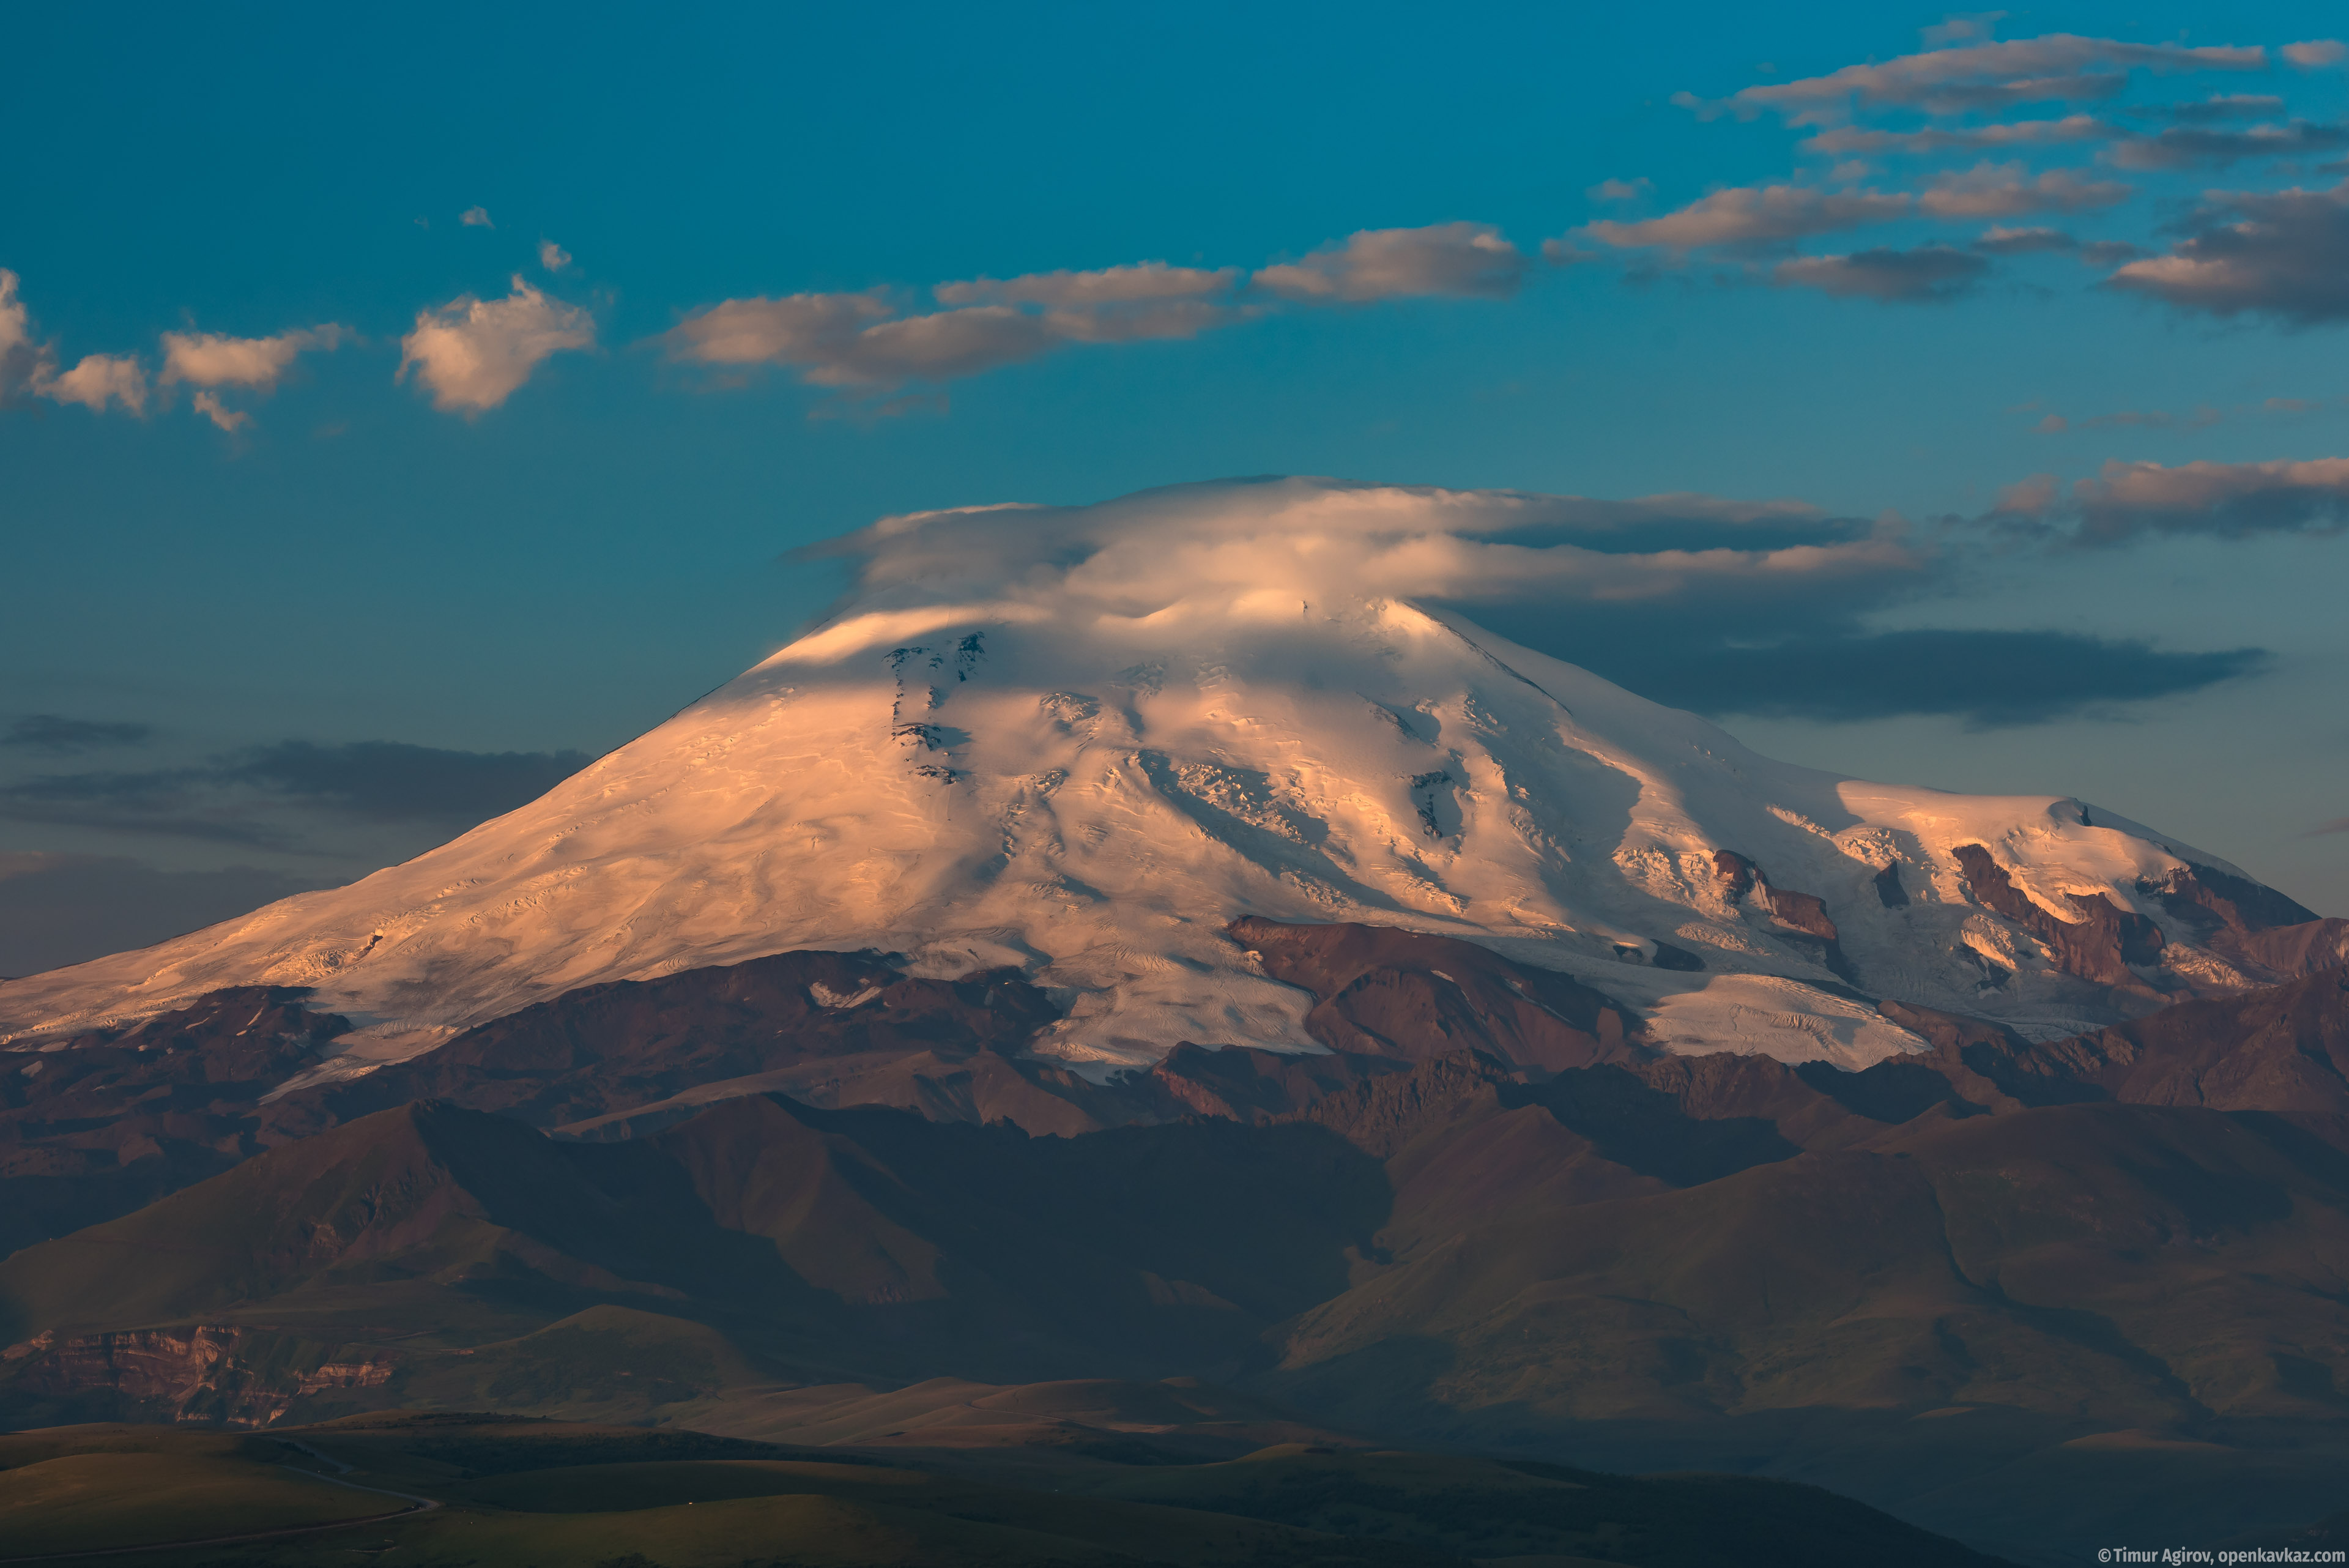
549, 560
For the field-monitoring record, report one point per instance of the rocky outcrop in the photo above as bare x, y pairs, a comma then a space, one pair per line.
2281, 1050
1802, 913
201, 1373
1381, 991
630, 1043
2099, 947
2267, 935
109, 1119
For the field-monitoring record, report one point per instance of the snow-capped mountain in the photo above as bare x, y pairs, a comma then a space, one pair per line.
1080, 741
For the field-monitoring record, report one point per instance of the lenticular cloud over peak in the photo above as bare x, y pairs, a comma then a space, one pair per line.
1218, 546
1079, 743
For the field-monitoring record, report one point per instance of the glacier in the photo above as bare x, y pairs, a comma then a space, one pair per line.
1077, 741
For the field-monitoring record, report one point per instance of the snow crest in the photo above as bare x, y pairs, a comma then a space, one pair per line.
1079, 741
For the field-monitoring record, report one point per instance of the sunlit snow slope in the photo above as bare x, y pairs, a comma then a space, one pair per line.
1080, 741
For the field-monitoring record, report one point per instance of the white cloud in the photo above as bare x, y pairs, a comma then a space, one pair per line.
552, 256
28, 364
1331, 541
2004, 191
217, 360
1983, 75
472, 353
476, 218
938, 347
1145, 282
857, 340
98, 380
1171, 319
798, 328
2316, 54
1391, 264
1849, 139
1755, 215
209, 405
2229, 499
866, 340
20, 355
1113, 305
1999, 241
1966, 27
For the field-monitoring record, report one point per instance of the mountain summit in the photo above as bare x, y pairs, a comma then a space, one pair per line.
1081, 742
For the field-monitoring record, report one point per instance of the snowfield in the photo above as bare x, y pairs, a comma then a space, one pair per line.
1077, 741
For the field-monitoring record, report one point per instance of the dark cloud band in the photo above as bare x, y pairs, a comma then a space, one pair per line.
1990, 679
235, 798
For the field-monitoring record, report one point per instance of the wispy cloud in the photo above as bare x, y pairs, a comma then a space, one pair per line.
239, 797
57, 732
1146, 282
1396, 264
1999, 240
473, 354
2220, 107
207, 361
1982, 76
217, 360
869, 339
21, 355
2128, 500
1848, 140
229, 420
29, 366
2186, 147
476, 218
212, 360
1927, 274
1620, 189
1755, 216
2005, 191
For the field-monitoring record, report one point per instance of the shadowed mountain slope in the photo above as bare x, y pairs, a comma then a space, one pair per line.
1712, 1261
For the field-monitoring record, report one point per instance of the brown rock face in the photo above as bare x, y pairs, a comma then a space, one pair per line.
1246, 1084
120, 1117
2098, 947
1399, 994
2281, 1050
1804, 912
607, 1048
202, 1373
2229, 901
2263, 933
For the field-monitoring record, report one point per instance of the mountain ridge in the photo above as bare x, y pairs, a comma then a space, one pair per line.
1052, 758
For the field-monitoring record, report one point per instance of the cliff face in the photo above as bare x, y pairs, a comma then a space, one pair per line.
213, 1375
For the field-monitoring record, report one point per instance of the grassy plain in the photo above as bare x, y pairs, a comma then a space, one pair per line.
547, 1494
